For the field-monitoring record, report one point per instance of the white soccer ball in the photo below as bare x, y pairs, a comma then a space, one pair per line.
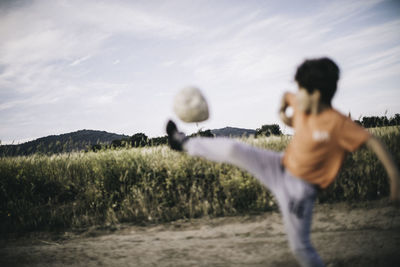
190, 105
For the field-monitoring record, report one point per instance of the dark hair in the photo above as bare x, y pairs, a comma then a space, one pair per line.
319, 74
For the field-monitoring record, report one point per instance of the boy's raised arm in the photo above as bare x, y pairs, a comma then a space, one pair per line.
387, 160
282, 110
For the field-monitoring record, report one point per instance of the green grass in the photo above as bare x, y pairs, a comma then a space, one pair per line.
142, 185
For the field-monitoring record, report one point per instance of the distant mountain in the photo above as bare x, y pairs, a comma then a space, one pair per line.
68, 142
233, 132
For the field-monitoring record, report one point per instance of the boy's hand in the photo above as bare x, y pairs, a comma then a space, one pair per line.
282, 111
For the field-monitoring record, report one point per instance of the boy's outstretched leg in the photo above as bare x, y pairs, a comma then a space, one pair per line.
263, 164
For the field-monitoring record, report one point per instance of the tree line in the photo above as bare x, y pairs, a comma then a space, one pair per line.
379, 121
141, 140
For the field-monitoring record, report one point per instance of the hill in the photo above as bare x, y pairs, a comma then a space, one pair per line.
233, 132
68, 142
81, 140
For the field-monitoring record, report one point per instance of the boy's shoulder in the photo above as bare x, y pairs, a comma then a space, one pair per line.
338, 116
338, 124
344, 119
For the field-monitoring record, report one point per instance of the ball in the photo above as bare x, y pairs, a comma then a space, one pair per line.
190, 105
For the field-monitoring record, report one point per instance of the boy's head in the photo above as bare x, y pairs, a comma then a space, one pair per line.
320, 74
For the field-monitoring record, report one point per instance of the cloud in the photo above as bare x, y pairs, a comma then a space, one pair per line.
268, 45
78, 60
40, 35
168, 63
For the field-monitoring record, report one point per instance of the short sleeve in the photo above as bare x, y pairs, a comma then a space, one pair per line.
352, 135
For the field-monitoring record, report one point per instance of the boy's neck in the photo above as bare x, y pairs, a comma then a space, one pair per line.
318, 107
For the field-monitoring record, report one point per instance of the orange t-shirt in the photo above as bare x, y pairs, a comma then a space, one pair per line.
320, 142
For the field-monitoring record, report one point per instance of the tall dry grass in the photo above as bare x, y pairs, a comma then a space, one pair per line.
155, 184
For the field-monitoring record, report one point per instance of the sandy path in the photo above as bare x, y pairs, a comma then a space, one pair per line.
366, 234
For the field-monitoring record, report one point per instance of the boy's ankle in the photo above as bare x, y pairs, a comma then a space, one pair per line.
176, 139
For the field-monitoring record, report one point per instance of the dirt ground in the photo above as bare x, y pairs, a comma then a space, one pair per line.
364, 234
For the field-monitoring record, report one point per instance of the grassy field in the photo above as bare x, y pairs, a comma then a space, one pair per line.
142, 185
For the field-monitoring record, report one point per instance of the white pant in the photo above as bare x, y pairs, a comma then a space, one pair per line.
295, 196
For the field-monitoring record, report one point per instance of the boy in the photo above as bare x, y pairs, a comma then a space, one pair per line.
311, 161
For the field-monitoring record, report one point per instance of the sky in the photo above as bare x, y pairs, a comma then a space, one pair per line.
68, 65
